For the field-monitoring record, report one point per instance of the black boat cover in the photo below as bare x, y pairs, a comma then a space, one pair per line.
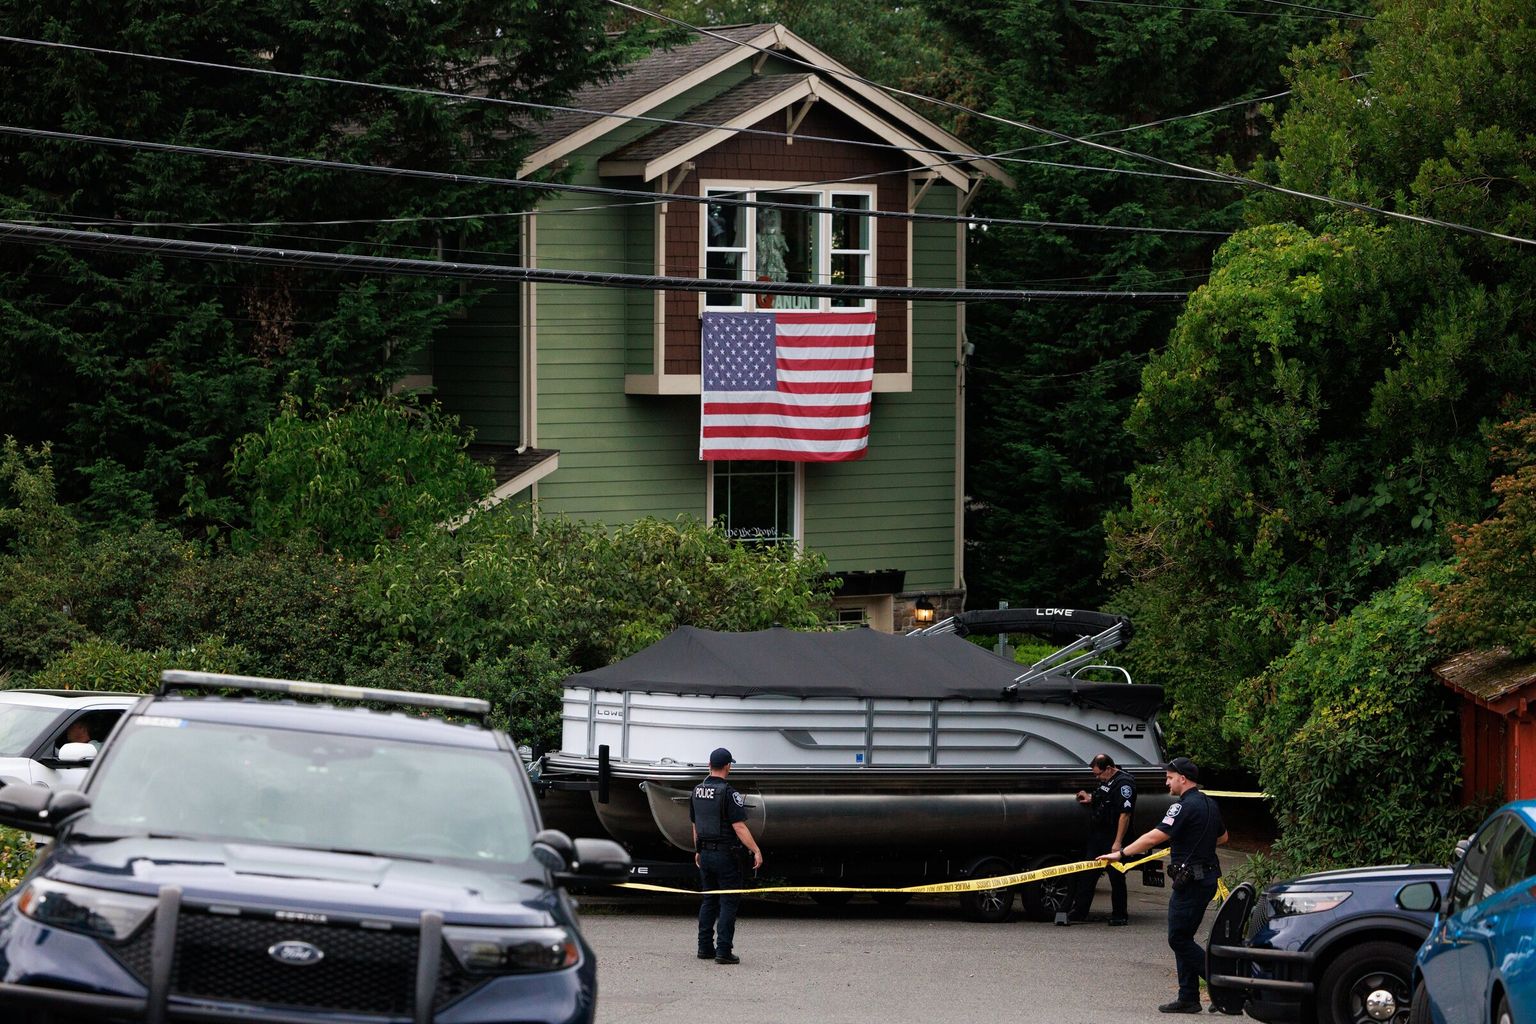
857, 663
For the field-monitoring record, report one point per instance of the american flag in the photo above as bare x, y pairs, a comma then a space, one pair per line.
788, 386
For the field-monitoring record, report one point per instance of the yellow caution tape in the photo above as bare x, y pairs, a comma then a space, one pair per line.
1232, 793
966, 885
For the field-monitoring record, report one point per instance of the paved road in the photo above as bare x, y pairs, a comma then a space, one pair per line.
862, 964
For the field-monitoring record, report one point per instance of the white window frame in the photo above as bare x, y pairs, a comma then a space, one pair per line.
824, 253
796, 498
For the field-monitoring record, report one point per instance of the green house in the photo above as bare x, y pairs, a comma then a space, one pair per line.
586, 400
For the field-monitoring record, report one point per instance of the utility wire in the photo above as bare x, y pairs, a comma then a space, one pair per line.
1218, 10
1214, 175
109, 241
650, 198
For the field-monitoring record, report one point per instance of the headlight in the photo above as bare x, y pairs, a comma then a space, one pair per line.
1289, 904
512, 950
100, 912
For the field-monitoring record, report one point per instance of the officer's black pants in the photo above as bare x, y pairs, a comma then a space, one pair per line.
1088, 881
1186, 909
718, 869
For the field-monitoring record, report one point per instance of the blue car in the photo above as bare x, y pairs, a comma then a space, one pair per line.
1478, 965
257, 859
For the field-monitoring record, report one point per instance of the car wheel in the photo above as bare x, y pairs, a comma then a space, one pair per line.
1502, 1015
1044, 899
1418, 1013
989, 906
1367, 984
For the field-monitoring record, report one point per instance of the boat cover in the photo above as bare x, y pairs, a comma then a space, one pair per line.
859, 663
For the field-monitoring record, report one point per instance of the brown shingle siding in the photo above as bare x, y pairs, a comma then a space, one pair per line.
757, 158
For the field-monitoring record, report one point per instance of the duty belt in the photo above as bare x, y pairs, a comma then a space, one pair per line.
719, 844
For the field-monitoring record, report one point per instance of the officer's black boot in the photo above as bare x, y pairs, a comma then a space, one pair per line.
727, 958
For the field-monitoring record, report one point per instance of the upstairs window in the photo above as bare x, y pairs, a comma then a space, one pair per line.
792, 242
754, 502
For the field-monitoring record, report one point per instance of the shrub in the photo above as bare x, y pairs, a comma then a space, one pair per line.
98, 664
16, 854
1354, 739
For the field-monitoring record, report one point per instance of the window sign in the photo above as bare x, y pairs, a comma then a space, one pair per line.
754, 501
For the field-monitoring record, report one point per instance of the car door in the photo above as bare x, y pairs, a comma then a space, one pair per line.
1490, 919
97, 723
1447, 972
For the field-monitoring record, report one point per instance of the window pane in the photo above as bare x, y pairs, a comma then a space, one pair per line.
753, 500
848, 230
1510, 854
727, 228
1465, 886
723, 266
789, 250
849, 268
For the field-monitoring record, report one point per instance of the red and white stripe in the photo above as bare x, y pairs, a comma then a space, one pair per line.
820, 410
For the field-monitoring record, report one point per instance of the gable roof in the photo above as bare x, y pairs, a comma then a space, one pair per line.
663, 75
743, 106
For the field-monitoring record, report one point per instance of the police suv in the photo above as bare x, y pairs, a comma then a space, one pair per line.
237, 854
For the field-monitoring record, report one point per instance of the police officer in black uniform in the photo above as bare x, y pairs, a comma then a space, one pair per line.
721, 841
1111, 806
1193, 827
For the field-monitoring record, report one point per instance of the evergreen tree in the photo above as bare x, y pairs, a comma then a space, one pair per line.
140, 371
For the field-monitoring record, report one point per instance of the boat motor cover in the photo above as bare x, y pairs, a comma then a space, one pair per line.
859, 663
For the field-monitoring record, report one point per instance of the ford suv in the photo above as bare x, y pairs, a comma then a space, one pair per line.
239, 854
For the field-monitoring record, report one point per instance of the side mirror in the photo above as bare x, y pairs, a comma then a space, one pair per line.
598, 860
33, 808
554, 849
74, 755
1419, 896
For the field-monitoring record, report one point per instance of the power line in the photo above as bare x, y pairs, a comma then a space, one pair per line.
1218, 10
176, 247
649, 198
1105, 147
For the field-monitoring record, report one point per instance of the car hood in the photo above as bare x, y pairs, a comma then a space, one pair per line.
1386, 873
315, 881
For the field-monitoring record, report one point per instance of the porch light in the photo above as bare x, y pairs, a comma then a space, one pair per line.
922, 611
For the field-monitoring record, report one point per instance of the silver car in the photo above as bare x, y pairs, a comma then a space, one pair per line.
51, 736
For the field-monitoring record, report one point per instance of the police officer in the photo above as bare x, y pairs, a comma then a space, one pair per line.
720, 841
1193, 827
1111, 806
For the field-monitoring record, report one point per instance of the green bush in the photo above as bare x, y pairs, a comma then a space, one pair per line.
1355, 741
98, 664
16, 855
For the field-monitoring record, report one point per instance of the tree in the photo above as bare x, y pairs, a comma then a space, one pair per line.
1319, 413
1050, 384
140, 371
347, 479
1490, 600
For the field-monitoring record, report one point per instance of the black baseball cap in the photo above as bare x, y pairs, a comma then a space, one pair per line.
720, 757
1185, 767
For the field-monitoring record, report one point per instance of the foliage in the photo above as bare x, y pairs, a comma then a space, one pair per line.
1490, 600
1320, 412
97, 664
16, 855
589, 595
1354, 739
346, 479
1050, 383
141, 370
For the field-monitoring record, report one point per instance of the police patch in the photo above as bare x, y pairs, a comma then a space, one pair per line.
1125, 791
1173, 812
739, 801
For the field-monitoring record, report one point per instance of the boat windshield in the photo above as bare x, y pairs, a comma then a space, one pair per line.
171, 776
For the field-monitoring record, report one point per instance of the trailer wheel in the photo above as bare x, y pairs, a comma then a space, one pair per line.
1044, 899
831, 899
990, 906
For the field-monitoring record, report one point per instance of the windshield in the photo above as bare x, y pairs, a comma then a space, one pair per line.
320, 790
20, 727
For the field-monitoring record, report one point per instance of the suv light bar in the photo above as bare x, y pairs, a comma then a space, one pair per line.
181, 680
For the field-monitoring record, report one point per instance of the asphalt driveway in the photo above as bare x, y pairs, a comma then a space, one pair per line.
863, 964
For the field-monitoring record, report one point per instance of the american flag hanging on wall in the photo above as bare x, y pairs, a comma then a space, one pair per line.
787, 385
